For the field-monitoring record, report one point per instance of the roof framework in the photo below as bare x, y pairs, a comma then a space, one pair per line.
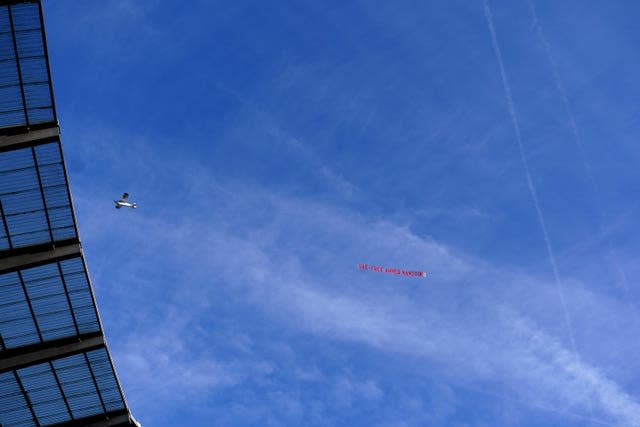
26, 92
55, 367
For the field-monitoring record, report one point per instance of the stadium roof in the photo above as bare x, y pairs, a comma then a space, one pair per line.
26, 94
55, 368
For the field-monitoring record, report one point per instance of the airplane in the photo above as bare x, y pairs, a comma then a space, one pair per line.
124, 203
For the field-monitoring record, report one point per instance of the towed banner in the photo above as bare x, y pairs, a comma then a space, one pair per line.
380, 269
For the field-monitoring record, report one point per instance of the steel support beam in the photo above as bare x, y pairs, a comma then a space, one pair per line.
119, 418
12, 142
117, 421
8, 2
47, 255
48, 350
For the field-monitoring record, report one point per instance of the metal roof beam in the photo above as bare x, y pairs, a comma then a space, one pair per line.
11, 142
119, 418
12, 261
44, 352
10, 2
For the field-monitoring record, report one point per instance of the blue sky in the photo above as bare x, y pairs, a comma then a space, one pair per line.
272, 146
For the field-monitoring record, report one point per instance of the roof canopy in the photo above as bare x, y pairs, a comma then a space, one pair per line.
55, 367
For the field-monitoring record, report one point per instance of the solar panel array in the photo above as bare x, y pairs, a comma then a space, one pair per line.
55, 368
25, 87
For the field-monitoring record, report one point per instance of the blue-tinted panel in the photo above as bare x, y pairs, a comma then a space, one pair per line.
10, 117
29, 44
106, 380
4, 18
15, 412
57, 312
79, 388
34, 71
12, 111
85, 381
26, 16
48, 299
40, 385
55, 191
7, 52
80, 295
22, 47
40, 115
16, 323
37, 96
10, 104
24, 213
8, 71
77, 380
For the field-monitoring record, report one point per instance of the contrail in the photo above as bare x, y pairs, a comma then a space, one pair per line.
563, 93
525, 164
583, 157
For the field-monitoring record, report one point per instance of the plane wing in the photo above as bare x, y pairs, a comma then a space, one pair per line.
124, 197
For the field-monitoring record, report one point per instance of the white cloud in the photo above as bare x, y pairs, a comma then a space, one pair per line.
477, 337
166, 367
485, 327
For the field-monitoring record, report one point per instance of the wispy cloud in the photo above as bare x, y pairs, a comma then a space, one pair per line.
267, 166
295, 261
525, 165
266, 123
582, 156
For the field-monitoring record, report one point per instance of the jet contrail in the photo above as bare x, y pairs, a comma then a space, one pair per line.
563, 93
525, 164
583, 157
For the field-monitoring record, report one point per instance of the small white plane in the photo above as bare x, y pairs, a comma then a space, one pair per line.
124, 203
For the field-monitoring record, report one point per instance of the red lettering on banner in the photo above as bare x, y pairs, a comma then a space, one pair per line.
380, 269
